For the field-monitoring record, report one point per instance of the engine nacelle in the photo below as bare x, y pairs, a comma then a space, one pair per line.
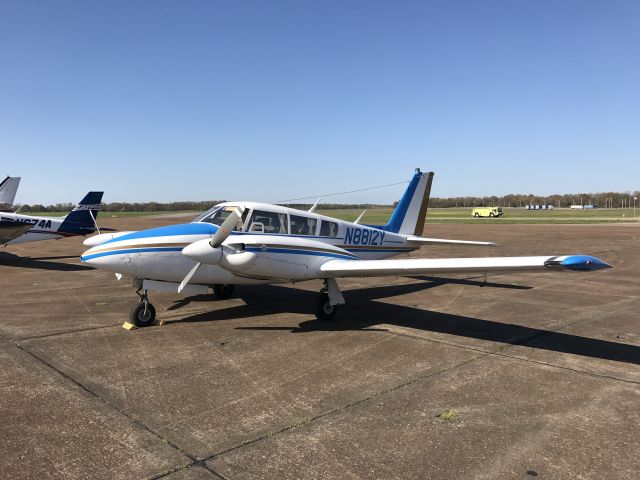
267, 256
202, 251
279, 257
103, 237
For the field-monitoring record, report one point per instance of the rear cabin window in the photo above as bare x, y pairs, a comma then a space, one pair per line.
328, 229
303, 225
268, 222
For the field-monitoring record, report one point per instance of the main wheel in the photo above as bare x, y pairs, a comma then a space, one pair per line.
324, 310
477, 215
223, 291
142, 317
491, 214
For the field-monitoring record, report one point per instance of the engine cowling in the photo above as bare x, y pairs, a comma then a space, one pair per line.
268, 256
202, 251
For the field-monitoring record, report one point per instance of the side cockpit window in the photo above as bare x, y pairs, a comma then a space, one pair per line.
328, 229
268, 222
303, 225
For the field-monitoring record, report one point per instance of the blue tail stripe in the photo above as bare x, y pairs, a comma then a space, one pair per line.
395, 222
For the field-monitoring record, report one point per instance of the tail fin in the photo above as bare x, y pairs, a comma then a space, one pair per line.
408, 217
81, 220
8, 189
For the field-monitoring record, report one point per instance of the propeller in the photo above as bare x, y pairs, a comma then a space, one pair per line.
216, 241
225, 229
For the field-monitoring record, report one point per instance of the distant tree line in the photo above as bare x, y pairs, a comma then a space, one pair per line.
603, 200
128, 207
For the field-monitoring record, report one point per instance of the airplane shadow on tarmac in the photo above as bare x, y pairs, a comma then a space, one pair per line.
11, 260
362, 312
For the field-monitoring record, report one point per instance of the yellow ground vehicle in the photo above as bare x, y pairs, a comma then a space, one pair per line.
486, 212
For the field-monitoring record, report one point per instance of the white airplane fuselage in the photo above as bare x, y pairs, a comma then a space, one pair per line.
43, 228
156, 254
17, 228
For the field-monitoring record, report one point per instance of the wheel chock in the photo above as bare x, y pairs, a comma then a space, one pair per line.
128, 326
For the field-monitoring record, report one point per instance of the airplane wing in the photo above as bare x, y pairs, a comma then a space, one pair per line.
12, 230
444, 241
422, 266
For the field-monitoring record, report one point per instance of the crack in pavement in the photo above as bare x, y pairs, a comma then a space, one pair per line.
139, 422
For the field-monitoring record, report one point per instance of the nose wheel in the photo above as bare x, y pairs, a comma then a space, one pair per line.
142, 313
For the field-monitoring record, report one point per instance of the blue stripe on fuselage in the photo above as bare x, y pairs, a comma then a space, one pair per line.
299, 252
170, 230
395, 222
84, 258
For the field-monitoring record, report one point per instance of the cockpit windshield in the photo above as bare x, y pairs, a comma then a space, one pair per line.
206, 214
217, 215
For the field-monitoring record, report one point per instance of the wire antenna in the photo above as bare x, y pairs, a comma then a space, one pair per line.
340, 193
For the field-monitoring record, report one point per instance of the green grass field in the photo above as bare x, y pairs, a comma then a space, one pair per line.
378, 216
511, 216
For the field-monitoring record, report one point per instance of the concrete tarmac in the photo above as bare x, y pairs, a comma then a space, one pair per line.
532, 375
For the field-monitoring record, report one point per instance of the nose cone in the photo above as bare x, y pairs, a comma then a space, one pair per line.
584, 263
88, 256
110, 261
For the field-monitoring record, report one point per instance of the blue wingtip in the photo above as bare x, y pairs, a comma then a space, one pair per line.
584, 263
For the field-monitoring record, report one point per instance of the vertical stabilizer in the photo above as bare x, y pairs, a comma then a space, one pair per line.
8, 190
409, 215
81, 220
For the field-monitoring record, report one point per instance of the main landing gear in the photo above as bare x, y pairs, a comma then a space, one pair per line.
329, 299
143, 313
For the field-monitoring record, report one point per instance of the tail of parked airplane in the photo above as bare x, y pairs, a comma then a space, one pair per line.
8, 189
81, 220
408, 217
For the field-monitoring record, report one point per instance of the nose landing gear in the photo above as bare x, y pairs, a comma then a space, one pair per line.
142, 313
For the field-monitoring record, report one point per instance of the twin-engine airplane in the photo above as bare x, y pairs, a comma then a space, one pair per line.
18, 228
255, 243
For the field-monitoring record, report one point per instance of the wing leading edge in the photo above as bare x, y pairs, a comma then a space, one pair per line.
422, 266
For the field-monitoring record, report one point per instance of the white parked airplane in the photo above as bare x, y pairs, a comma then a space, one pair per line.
18, 228
8, 190
255, 243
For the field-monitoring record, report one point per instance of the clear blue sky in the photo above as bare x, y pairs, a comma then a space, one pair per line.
269, 100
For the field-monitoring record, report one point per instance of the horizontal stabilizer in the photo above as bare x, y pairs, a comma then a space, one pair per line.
425, 266
444, 241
